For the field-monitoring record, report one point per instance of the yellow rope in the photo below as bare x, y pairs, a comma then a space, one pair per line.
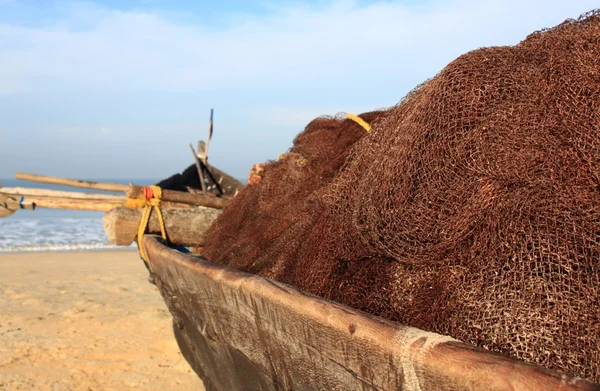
148, 204
359, 121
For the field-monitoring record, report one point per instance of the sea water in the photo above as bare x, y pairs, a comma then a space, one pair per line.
56, 230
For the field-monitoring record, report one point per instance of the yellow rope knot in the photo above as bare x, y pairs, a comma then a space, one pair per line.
150, 199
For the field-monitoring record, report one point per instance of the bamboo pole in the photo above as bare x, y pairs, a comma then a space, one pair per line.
53, 199
15, 205
99, 205
71, 200
9, 205
74, 204
23, 191
131, 190
5, 212
71, 182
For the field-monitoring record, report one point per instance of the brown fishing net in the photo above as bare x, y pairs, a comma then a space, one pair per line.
262, 226
471, 209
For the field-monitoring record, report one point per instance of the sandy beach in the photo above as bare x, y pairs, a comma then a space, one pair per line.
85, 321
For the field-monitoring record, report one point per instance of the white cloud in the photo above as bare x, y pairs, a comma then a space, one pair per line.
98, 81
340, 44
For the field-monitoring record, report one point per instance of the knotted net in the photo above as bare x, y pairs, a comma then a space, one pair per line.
471, 209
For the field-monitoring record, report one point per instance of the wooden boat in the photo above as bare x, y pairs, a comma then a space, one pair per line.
243, 332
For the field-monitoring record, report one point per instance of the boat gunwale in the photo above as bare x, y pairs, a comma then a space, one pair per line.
419, 357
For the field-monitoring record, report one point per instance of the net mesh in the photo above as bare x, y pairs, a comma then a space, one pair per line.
471, 209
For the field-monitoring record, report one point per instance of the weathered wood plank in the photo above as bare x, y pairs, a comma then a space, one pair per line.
243, 332
184, 226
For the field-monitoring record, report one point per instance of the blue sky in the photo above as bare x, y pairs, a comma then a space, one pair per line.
120, 88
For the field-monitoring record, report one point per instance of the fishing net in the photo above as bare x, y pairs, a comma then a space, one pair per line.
264, 224
471, 209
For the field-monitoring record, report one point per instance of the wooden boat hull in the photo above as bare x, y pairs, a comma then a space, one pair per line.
243, 332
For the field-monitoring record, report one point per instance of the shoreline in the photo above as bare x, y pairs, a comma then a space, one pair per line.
86, 320
91, 250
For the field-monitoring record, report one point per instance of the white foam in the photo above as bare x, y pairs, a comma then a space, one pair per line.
65, 247
53, 234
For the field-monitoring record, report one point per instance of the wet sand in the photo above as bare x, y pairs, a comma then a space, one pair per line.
85, 321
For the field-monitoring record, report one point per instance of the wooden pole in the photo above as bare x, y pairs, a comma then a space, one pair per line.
15, 205
53, 199
185, 227
182, 197
73, 204
131, 190
200, 174
9, 205
72, 182
32, 192
5, 212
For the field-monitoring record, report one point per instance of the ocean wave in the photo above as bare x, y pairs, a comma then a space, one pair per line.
54, 234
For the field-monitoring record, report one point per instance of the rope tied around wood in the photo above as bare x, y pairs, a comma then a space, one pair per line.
150, 199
